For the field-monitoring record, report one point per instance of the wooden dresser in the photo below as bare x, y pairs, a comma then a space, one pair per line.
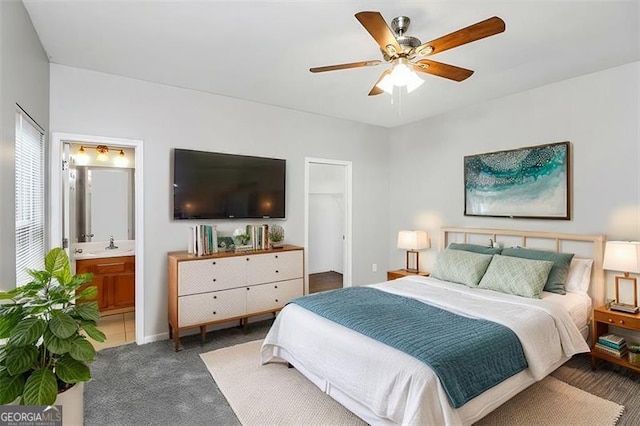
229, 286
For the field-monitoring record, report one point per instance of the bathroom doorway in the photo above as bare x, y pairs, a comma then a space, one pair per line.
100, 215
327, 224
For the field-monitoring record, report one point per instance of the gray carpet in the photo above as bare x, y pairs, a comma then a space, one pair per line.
151, 384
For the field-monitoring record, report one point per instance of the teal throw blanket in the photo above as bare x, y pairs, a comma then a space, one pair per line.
468, 355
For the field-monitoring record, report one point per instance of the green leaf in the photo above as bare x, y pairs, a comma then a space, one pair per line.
10, 387
90, 292
82, 350
63, 326
55, 260
88, 311
93, 332
72, 371
40, 277
8, 322
41, 388
55, 344
5, 295
63, 276
36, 309
20, 358
81, 279
27, 331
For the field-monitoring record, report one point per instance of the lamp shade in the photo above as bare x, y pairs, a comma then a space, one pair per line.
413, 240
622, 256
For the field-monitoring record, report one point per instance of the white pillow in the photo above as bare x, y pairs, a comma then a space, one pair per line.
579, 275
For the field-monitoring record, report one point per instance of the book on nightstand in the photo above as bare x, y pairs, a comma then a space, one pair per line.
624, 307
610, 351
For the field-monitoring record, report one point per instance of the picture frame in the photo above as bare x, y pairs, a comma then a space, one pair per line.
532, 182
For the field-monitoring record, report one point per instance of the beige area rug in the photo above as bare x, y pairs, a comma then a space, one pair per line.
273, 394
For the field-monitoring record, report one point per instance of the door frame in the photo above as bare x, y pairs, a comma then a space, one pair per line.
55, 205
347, 255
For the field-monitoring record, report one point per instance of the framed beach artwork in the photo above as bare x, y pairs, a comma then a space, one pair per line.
530, 182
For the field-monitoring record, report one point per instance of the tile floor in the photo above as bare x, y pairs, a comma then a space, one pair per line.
119, 329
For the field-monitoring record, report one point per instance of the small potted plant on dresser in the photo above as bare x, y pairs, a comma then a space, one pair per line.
44, 348
276, 236
634, 355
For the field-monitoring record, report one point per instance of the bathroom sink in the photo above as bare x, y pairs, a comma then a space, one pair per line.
99, 250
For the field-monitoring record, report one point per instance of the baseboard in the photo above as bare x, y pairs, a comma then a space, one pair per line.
156, 337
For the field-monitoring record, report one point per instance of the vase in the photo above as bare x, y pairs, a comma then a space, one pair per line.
634, 358
72, 401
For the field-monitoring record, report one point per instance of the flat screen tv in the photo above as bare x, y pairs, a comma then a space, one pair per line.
212, 185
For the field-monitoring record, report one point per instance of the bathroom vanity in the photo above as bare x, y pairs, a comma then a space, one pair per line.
115, 279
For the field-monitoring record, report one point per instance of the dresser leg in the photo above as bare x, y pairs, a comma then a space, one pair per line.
176, 339
203, 332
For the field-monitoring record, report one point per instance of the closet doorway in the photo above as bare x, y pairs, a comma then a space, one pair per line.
327, 224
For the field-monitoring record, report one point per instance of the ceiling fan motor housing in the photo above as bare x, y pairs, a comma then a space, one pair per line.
400, 25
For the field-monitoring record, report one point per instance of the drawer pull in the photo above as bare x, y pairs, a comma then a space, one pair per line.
102, 265
276, 286
276, 300
277, 271
621, 321
214, 263
215, 297
214, 280
247, 259
610, 320
248, 289
276, 256
214, 312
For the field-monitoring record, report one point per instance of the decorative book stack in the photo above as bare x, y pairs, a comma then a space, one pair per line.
612, 345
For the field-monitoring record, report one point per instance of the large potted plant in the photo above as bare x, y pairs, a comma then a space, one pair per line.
44, 348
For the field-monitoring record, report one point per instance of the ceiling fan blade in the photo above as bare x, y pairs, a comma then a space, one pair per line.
375, 90
346, 66
442, 70
486, 28
375, 24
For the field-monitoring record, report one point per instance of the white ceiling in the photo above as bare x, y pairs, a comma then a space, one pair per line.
262, 51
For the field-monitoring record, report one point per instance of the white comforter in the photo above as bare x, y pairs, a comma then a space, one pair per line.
384, 385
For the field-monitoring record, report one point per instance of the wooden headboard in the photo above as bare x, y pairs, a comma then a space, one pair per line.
586, 246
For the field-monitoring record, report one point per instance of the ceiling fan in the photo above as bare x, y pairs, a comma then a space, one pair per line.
404, 51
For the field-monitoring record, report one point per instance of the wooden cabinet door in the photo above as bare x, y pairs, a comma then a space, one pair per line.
122, 291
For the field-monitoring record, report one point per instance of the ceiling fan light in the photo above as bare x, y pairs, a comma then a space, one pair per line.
413, 82
400, 75
386, 84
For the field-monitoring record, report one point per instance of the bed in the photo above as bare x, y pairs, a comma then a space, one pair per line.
384, 385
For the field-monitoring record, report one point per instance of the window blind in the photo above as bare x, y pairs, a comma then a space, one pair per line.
29, 160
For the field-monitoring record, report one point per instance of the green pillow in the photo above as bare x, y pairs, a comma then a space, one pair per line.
463, 267
475, 248
512, 275
561, 262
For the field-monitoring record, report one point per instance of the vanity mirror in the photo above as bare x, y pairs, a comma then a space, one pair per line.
102, 200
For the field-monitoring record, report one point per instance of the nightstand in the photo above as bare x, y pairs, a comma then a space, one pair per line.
602, 319
399, 273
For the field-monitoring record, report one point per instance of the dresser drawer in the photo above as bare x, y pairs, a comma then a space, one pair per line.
202, 276
210, 307
618, 319
279, 266
265, 297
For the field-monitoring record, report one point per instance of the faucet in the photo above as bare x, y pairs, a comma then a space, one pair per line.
111, 246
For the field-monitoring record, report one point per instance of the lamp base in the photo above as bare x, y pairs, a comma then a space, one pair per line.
417, 262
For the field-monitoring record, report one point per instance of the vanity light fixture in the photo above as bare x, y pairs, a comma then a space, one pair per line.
103, 153
121, 160
82, 157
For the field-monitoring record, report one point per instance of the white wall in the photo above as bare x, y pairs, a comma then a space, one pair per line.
24, 80
598, 113
87, 102
326, 217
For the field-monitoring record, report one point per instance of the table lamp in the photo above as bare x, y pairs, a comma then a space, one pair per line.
623, 256
412, 241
